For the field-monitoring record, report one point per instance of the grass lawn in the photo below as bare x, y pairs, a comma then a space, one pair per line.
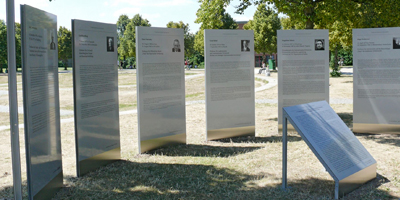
236, 168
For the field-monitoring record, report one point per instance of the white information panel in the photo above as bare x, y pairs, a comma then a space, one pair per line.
95, 94
303, 64
161, 87
376, 58
341, 153
230, 104
41, 102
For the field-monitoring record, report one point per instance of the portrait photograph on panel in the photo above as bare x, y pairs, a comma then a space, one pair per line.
245, 45
110, 44
319, 44
396, 43
177, 46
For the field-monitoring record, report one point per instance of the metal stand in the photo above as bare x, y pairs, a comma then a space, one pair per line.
13, 101
284, 152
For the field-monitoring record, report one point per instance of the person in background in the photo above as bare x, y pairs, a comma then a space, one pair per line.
262, 67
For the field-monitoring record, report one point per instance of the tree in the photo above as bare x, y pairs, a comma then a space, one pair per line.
212, 15
188, 37
122, 22
265, 24
64, 45
3, 44
128, 41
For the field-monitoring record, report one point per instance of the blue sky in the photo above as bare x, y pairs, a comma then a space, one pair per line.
158, 12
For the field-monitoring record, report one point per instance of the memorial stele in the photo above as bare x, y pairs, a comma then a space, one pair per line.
160, 87
376, 58
303, 65
229, 69
41, 102
96, 107
336, 147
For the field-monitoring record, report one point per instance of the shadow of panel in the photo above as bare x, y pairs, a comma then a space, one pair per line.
390, 139
130, 180
202, 151
347, 118
252, 139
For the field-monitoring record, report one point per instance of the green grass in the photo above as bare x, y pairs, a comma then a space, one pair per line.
261, 80
127, 106
194, 95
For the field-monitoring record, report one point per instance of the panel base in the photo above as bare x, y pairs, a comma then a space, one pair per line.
231, 132
357, 179
51, 188
93, 163
376, 128
155, 143
290, 128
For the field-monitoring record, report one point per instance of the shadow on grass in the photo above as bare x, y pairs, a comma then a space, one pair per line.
347, 118
130, 180
202, 150
391, 139
252, 139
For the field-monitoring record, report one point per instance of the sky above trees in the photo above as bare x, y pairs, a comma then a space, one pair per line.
158, 12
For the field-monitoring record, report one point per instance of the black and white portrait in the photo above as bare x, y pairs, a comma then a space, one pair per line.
176, 46
245, 45
110, 44
52, 43
319, 44
396, 43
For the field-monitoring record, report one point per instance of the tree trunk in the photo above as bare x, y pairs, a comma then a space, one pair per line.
335, 61
309, 12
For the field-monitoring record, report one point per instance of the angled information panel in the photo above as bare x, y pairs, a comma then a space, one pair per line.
41, 102
95, 94
376, 58
303, 64
336, 147
160, 87
229, 62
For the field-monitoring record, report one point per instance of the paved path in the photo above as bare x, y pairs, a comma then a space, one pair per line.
271, 83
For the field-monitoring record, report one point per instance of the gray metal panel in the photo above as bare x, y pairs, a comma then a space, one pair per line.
147, 145
231, 132
230, 100
336, 147
376, 83
93, 163
303, 69
160, 86
357, 179
41, 102
95, 94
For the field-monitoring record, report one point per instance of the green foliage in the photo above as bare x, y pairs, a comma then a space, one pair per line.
128, 41
64, 45
122, 22
347, 56
131, 61
265, 24
196, 59
212, 15
3, 43
288, 24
